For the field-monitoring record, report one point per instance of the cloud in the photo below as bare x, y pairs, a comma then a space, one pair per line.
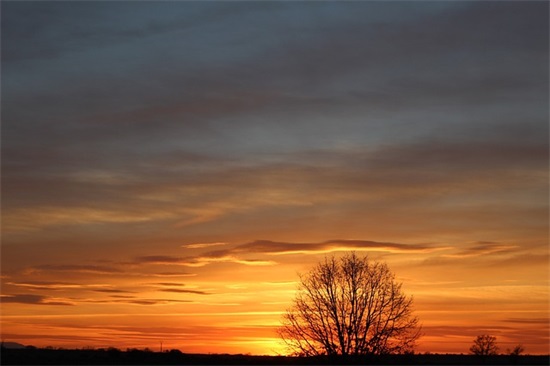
200, 261
119, 299
123, 296
94, 270
280, 248
184, 291
70, 338
495, 165
111, 290
176, 287
542, 321
272, 248
267, 84
202, 245
32, 299
153, 301
529, 260
30, 219
158, 259
506, 259
172, 274
46, 285
78, 268
485, 248
53, 31
285, 248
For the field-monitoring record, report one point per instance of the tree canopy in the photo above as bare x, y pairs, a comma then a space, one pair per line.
484, 345
350, 306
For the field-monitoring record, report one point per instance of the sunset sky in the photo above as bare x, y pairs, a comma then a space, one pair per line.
168, 168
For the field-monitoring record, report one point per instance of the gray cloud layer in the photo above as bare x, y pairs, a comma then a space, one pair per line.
138, 122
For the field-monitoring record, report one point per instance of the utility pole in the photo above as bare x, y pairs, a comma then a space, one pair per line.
160, 346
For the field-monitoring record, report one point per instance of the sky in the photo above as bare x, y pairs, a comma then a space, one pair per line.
169, 168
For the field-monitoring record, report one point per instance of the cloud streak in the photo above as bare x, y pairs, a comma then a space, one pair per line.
202, 245
281, 248
112, 291
272, 248
200, 261
184, 291
32, 299
133, 301
484, 248
48, 285
78, 268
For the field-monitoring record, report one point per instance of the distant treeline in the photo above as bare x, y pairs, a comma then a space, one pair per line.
113, 356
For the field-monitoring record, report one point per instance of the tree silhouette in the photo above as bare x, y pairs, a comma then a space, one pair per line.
349, 306
484, 345
518, 350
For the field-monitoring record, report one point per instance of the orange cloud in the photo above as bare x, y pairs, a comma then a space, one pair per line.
32, 299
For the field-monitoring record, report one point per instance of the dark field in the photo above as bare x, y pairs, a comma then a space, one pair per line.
175, 357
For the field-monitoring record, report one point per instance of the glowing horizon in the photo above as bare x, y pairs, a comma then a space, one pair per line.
213, 315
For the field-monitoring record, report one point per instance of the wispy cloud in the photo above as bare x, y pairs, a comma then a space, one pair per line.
169, 284
77, 268
484, 248
203, 245
112, 291
280, 248
184, 291
545, 321
159, 259
123, 296
153, 301
171, 274
271, 248
45, 285
33, 300
119, 299
200, 261
522, 260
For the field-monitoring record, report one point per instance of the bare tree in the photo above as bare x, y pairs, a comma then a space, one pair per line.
350, 306
518, 350
484, 345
